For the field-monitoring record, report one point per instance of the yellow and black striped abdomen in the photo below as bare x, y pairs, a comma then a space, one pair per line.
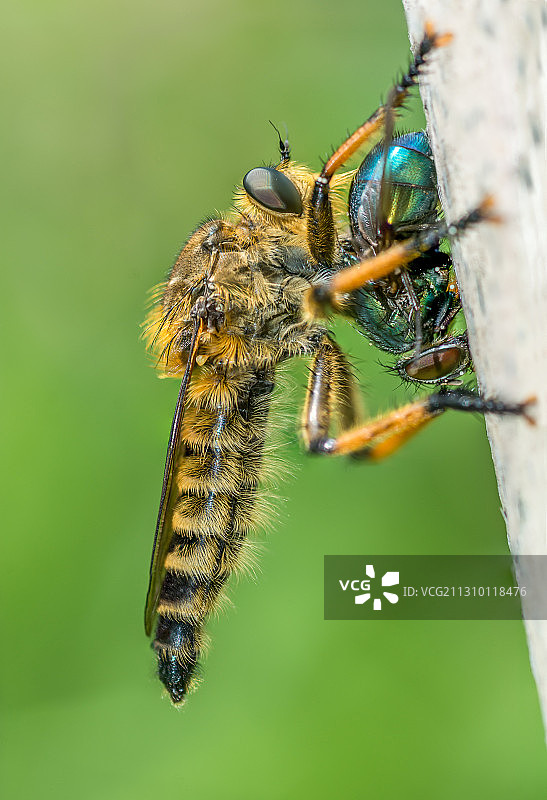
212, 509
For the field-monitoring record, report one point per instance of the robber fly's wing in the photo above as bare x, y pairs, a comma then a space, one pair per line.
162, 538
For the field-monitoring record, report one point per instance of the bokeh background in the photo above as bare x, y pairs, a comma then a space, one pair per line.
125, 123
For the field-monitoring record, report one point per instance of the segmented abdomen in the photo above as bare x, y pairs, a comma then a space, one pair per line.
212, 508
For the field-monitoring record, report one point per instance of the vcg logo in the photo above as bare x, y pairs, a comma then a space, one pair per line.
371, 587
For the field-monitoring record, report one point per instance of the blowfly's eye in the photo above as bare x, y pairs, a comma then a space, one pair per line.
273, 190
441, 362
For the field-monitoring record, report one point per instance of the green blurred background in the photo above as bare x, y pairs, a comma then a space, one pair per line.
125, 123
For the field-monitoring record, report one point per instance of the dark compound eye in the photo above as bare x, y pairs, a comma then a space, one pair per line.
272, 189
439, 363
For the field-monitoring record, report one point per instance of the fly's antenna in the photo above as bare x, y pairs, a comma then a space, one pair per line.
284, 146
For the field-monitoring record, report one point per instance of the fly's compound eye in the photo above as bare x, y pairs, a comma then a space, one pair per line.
441, 363
273, 190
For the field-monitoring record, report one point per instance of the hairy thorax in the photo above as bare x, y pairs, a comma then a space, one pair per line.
255, 276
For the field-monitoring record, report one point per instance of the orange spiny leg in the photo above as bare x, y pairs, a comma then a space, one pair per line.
388, 432
383, 436
395, 258
396, 98
391, 260
321, 233
391, 443
331, 395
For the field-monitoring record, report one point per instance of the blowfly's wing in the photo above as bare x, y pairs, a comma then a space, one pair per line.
383, 206
162, 538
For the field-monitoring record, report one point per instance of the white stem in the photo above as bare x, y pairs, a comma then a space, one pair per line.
484, 96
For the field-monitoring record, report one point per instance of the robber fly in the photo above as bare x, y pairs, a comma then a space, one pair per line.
249, 292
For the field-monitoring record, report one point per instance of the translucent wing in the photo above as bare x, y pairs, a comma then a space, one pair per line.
384, 200
371, 193
162, 538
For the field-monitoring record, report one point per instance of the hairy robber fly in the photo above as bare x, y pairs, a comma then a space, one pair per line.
250, 291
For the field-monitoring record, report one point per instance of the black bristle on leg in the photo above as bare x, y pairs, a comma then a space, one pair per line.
467, 400
410, 77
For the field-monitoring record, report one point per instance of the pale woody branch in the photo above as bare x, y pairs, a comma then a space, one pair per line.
485, 98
